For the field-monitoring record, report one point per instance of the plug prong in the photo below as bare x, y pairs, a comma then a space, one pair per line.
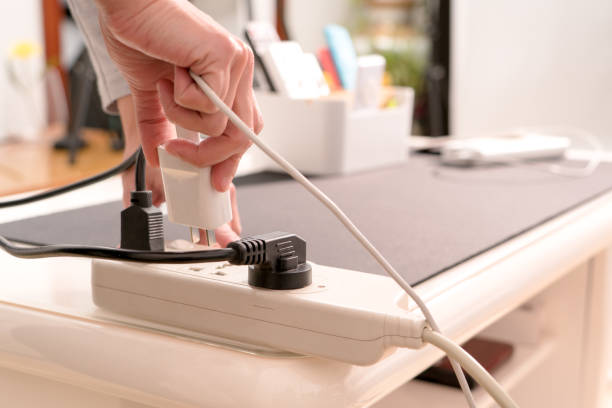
210, 237
207, 238
194, 234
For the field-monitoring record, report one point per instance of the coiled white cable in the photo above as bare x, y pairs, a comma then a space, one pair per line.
596, 149
326, 201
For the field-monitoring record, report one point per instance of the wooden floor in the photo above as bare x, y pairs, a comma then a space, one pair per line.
36, 165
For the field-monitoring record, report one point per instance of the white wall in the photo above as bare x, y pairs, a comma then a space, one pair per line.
532, 62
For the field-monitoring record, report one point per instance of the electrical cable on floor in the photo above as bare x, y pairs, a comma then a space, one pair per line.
344, 219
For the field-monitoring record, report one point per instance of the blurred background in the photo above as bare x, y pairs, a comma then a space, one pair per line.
476, 66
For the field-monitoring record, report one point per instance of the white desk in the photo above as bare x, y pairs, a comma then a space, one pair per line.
545, 291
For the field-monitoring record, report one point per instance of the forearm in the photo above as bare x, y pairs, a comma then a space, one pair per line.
111, 84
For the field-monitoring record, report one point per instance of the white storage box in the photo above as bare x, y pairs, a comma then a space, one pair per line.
326, 136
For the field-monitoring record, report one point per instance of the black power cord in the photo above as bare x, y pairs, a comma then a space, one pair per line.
48, 251
140, 174
142, 224
213, 255
120, 168
279, 257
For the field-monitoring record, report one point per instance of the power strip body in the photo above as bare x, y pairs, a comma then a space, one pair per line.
343, 315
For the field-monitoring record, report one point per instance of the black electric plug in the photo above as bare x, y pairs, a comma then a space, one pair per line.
277, 260
142, 224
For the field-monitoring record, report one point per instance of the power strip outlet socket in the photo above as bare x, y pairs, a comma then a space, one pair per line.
342, 315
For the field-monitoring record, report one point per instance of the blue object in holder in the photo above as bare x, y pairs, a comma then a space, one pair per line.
343, 52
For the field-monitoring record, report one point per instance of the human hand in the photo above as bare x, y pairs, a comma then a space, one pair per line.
231, 231
224, 234
155, 43
132, 143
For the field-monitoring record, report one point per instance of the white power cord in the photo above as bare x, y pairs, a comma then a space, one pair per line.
345, 220
470, 365
595, 145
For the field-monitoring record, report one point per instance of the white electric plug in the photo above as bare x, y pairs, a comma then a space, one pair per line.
190, 196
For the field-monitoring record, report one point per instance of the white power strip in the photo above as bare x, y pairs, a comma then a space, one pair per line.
343, 315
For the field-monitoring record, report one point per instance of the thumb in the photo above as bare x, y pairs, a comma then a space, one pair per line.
153, 126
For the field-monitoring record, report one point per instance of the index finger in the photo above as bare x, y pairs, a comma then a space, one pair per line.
153, 126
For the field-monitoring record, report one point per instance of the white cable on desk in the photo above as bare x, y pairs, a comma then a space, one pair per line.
344, 219
597, 151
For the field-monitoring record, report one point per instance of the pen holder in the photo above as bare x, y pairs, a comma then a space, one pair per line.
327, 136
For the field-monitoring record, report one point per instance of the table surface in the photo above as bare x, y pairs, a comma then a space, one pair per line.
52, 328
423, 217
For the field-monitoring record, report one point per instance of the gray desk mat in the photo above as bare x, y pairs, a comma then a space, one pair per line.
424, 218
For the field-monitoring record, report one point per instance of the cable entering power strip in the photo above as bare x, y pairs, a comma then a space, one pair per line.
330, 318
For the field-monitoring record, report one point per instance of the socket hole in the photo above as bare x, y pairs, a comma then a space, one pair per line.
321, 286
220, 273
196, 268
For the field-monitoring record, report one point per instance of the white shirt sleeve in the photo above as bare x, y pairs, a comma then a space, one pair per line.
111, 84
